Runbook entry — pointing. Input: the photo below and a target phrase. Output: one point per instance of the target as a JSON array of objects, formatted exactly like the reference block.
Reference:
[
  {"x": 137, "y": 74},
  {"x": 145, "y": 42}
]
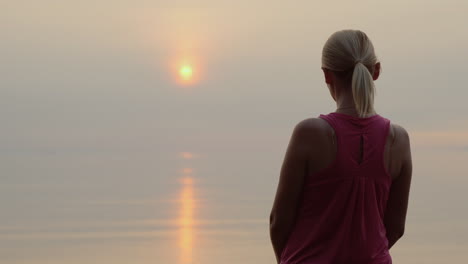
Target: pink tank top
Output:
[{"x": 341, "y": 211}]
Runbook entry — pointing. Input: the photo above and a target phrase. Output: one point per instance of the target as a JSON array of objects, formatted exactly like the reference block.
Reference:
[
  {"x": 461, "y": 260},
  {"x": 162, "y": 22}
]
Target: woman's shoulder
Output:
[
  {"x": 314, "y": 125},
  {"x": 399, "y": 130},
  {"x": 401, "y": 139},
  {"x": 313, "y": 131}
]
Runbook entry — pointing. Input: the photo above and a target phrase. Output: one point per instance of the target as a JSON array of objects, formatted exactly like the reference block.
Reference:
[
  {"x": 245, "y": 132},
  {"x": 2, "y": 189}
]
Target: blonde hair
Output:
[{"x": 349, "y": 51}]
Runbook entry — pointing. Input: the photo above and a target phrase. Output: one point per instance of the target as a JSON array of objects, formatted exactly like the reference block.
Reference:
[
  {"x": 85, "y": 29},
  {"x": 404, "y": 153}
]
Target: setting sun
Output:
[
  {"x": 186, "y": 73},
  {"x": 186, "y": 70}
]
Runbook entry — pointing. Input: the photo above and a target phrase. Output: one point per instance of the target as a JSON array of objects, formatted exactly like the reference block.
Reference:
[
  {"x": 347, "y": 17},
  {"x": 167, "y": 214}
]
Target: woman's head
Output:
[{"x": 349, "y": 55}]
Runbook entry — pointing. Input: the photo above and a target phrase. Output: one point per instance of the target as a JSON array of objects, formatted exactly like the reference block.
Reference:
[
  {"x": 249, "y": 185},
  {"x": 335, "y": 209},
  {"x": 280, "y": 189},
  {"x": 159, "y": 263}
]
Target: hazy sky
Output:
[{"x": 94, "y": 120}]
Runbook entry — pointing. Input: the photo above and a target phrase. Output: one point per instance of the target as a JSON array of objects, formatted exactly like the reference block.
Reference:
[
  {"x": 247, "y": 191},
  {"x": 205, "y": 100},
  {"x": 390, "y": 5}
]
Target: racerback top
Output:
[{"x": 341, "y": 211}]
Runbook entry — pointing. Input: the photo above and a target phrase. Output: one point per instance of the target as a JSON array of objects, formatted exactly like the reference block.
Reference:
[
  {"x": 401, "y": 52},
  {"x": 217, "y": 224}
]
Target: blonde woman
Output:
[{"x": 343, "y": 190}]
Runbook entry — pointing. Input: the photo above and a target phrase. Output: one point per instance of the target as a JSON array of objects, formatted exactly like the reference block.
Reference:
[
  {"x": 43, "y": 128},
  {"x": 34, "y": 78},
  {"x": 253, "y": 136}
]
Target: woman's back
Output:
[
  {"x": 393, "y": 152},
  {"x": 341, "y": 213}
]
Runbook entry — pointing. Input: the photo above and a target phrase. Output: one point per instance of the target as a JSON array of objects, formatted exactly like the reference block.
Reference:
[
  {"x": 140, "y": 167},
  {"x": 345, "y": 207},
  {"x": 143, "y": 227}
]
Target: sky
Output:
[{"x": 107, "y": 155}]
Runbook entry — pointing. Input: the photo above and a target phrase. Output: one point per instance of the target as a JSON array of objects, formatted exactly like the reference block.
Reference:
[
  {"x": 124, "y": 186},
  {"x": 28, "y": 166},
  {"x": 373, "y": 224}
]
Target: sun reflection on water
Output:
[{"x": 186, "y": 220}]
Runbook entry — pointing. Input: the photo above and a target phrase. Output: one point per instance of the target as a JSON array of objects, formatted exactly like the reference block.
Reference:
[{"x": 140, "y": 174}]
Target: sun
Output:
[{"x": 186, "y": 73}]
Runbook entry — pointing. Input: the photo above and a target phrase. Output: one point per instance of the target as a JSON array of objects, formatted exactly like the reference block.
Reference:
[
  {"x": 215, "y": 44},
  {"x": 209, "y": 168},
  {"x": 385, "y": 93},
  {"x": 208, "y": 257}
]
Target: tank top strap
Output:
[
  {"x": 334, "y": 123},
  {"x": 384, "y": 129},
  {"x": 338, "y": 128}
]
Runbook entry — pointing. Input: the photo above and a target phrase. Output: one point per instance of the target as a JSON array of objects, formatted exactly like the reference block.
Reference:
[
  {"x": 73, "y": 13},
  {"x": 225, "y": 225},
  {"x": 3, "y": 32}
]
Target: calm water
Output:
[{"x": 196, "y": 212}]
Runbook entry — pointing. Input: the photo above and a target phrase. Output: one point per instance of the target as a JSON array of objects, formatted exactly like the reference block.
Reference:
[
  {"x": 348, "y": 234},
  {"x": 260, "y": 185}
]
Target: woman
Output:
[{"x": 344, "y": 184}]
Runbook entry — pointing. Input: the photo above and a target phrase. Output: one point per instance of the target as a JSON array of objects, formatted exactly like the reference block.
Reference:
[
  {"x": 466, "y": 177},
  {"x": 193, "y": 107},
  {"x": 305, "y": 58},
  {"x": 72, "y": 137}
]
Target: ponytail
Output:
[
  {"x": 351, "y": 51},
  {"x": 363, "y": 89}
]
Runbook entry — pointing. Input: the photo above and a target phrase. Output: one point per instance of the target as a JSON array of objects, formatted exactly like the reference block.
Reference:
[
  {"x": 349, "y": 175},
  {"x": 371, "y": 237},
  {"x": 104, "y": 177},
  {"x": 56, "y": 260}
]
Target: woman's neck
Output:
[{"x": 351, "y": 110}]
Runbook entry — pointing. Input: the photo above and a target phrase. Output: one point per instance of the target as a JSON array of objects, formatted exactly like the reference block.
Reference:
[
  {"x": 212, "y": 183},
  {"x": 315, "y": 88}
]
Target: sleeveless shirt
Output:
[{"x": 341, "y": 211}]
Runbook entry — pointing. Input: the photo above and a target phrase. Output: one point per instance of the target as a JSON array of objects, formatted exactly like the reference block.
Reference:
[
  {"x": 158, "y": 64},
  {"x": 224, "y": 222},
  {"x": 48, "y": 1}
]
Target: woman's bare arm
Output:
[
  {"x": 286, "y": 201},
  {"x": 397, "y": 204}
]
